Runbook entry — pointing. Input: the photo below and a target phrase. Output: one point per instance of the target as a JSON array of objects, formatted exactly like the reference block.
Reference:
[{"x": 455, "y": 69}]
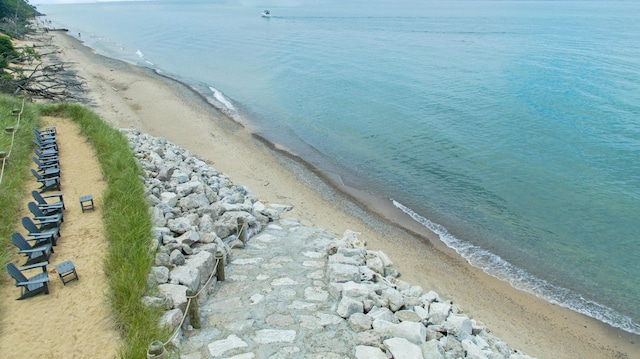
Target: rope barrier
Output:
[
  {"x": 189, "y": 298},
  {"x": 13, "y": 136}
]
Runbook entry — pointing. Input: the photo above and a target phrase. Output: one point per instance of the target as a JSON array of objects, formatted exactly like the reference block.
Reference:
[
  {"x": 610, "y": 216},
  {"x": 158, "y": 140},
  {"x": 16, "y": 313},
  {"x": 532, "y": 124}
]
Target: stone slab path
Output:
[{"x": 275, "y": 302}]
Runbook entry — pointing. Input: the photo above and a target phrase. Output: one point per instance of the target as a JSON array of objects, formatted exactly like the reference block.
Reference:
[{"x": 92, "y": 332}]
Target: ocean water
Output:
[{"x": 510, "y": 128}]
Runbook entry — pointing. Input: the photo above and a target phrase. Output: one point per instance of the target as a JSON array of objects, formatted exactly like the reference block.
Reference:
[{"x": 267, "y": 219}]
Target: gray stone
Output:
[
  {"x": 349, "y": 306},
  {"x": 163, "y": 259},
  {"x": 394, "y": 298},
  {"x": 203, "y": 264},
  {"x": 413, "y": 332},
  {"x": 267, "y": 336},
  {"x": 359, "y": 291},
  {"x": 402, "y": 348},
  {"x": 457, "y": 325},
  {"x": 421, "y": 312},
  {"x": 472, "y": 350},
  {"x": 176, "y": 257},
  {"x": 343, "y": 273},
  {"x": 169, "y": 198},
  {"x": 188, "y": 238},
  {"x": 180, "y": 177},
  {"x": 160, "y": 302},
  {"x": 206, "y": 223},
  {"x": 219, "y": 347},
  {"x": 360, "y": 322},
  {"x": 383, "y": 313},
  {"x": 177, "y": 293},
  {"x": 432, "y": 350},
  {"x": 438, "y": 312},
  {"x": 158, "y": 275},
  {"x": 369, "y": 338},
  {"x": 375, "y": 264},
  {"x": 171, "y": 318},
  {"x": 366, "y": 352},
  {"x": 315, "y": 294},
  {"x": 157, "y": 217},
  {"x": 179, "y": 225},
  {"x": 408, "y": 316}
]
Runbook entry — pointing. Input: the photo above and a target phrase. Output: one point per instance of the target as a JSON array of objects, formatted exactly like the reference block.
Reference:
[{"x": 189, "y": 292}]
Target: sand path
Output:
[{"x": 73, "y": 320}]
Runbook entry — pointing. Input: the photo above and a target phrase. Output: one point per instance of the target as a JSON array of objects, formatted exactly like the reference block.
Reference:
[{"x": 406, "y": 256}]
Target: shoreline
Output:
[{"x": 542, "y": 329}]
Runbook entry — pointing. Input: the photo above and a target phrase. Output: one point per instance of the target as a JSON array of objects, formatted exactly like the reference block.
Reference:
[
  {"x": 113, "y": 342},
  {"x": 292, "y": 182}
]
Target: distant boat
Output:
[{"x": 266, "y": 13}]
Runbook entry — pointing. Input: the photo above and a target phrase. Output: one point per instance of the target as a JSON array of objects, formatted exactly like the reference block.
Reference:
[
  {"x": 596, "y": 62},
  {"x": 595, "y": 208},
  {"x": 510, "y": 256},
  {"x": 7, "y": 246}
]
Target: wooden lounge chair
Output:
[
  {"x": 45, "y": 164},
  {"x": 44, "y": 221},
  {"x": 49, "y": 208},
  {"x": 48, "y": 132},
  {"x": 46, "y": 146},
  {"x": 39, "y": 252},
  {"x": 31, "y": 286},
  {"x": 43, "y": 155},
  {"x": 36, "y": 233},
  {"x": 47, "y": 183},
  {"x": 44, "y": 138}
]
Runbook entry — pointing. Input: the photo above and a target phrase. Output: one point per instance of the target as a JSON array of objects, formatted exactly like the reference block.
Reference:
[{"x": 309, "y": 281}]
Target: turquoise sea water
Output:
[{"x": 511, "y": 128}]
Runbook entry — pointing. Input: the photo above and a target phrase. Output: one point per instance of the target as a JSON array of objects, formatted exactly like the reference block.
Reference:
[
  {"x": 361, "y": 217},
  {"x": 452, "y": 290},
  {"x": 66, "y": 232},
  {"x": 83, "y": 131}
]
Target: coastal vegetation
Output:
[
  {"x": 125, "y": 214},
  {"x": 15, "y": 17}
]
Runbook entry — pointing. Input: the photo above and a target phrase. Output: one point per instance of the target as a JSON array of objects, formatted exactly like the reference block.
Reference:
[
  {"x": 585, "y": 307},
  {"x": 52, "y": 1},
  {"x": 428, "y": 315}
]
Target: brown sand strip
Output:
[{"x": 72, "y": 321}]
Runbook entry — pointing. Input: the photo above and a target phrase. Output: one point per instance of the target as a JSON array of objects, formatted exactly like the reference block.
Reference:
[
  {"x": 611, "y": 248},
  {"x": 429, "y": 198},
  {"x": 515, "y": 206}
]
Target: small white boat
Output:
[{"x": 266, "y": 13}]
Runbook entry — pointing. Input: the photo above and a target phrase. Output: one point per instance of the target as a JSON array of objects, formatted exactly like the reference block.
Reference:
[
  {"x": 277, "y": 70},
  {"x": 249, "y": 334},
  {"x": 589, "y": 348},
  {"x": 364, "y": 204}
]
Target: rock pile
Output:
[
  {"x": 394, "y": 319},
  {"x": 197, "y": 212}
]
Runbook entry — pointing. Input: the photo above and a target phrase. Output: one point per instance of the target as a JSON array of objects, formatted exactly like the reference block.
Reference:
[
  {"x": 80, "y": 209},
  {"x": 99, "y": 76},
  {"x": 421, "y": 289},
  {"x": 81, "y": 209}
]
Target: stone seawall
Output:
[{"x": 291, "y": 291}]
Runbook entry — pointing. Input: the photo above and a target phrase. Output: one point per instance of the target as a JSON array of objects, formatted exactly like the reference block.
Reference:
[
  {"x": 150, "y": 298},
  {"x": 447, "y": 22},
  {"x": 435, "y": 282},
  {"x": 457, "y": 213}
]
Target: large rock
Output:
[
  {"x": 438, "y": 312},
  {"x": 458, "y": 325},
  {"x": 177, "y": 293},
  {"x": 349, "y": 306},
  {"x": 365, "y": 352},
  {"x": 402, "y": 348},
  {"x": 343, "y": 273},
  {"x": 179, "y": 225},
  {"x": 432, "y": 350},
  {"x": 195, "y": 272},
  {"x": 413, "y": 332},
  {"x": 383, "y": 313},
  {"x": 158, "y": 275}
]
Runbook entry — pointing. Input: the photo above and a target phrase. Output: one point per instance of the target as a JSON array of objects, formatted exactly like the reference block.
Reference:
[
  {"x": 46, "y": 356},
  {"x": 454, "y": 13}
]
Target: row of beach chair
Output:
[
  {"x": 46, "y": 159},
  {"x": 43, "y": 228}
]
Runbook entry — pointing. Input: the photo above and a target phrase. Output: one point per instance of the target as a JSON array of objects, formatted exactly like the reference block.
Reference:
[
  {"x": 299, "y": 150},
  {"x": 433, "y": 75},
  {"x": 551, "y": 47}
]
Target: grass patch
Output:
[
  {"x": 16, "y": 168},
  {"x": 126, "y": 217}
]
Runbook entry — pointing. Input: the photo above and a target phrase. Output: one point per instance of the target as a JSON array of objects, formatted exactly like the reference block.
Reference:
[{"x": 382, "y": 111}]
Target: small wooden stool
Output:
[
  {"x": 86, "y": 202},
  {"x": 67, "y": 272}
]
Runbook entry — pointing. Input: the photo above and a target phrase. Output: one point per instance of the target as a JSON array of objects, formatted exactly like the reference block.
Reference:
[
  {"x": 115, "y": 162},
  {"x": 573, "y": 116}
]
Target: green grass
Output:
[
  {"x": 16, "y": 170},
  {"x": 126, "y": 219}
]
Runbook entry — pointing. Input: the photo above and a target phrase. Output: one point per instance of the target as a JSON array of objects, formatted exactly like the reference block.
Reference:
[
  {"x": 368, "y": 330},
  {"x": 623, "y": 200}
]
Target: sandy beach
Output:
[{"x": 131, "y": 97}]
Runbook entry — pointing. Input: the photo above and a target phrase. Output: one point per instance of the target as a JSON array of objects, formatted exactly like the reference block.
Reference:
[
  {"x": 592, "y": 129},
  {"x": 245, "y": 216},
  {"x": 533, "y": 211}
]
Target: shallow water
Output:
[{"x": 509, "y": 128}]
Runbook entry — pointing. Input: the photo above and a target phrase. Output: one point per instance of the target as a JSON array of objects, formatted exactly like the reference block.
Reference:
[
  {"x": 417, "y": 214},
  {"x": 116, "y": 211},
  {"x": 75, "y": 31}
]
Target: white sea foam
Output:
[
  {"x": 520, "y": 279},
  {"x": 223, "y": 100}
]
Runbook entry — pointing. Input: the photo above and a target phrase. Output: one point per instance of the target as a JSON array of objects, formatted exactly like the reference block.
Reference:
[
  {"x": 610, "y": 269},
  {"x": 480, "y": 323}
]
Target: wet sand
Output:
[{"x": 127, "y": 96}]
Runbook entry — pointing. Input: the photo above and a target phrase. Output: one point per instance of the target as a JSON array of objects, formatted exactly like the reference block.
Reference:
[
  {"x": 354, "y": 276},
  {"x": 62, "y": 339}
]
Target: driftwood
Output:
[{"x": 41, "y": 75}]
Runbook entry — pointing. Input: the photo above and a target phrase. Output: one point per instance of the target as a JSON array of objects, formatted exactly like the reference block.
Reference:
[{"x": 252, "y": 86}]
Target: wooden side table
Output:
[
  {"x": 86, "y": 202},
  {"x": 67, "y": 272}
]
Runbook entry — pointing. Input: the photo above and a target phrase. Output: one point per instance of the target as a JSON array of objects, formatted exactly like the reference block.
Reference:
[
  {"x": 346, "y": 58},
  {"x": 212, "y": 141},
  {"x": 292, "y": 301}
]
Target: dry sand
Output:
[
  {"x": 73, "y": 320},
  {"x": 127, "y": 96}
]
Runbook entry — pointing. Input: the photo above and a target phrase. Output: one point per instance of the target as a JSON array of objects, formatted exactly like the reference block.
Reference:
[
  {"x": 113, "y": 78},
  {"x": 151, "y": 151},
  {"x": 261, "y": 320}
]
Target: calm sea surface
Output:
[{"x": 511, "y": 128}]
